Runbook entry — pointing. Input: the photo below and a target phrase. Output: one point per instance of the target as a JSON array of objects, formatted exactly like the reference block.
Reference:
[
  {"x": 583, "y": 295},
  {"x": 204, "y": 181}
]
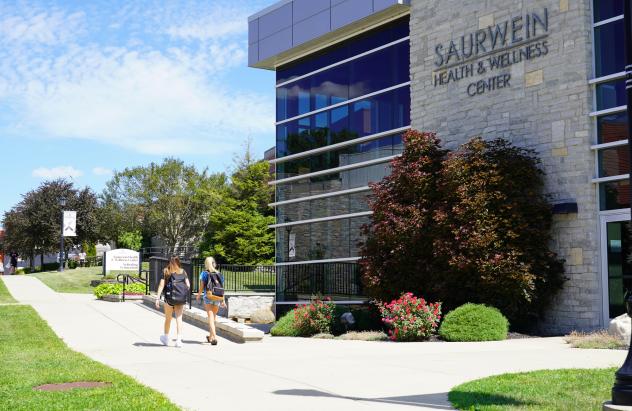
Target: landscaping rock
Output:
[
  {"x": 621, "y": 327},
  {"x": 241, "y": 306},
  {"x": 263, "y": 316}
]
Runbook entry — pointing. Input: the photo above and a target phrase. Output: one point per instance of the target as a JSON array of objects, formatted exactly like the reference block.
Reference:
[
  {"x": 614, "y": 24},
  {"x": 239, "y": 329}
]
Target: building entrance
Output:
[{"x": 616, "y": 266}]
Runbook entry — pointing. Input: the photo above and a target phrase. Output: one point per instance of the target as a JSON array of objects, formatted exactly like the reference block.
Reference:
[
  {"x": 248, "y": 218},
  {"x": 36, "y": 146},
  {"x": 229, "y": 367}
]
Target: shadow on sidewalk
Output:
[{"x": 438, "y": 400}]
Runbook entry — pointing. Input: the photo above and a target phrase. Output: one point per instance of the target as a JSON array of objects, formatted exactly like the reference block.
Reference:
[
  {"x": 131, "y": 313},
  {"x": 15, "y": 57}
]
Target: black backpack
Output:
[
  {"x": 176, "y": 290},
  {"x": 215, "y": 285}
]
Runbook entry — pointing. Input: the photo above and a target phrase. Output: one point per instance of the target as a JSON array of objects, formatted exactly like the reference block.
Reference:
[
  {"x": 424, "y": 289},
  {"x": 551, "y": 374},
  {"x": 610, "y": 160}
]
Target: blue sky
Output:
[{"x": 89, "y": 87}]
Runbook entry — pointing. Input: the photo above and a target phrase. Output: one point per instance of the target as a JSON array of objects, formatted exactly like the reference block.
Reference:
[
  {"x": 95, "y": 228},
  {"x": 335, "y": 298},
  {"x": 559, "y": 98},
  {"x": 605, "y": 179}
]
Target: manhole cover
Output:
[{"x": 67, "y": 386}]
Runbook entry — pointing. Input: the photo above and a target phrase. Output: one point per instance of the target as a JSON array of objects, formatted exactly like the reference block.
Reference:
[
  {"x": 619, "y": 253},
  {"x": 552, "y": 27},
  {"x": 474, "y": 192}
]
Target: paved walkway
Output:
[{"x": 286, "y": 373}]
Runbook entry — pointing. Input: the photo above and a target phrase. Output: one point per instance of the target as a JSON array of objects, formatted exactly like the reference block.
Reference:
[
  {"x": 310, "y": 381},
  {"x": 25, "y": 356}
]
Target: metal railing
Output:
[{"x": 127, "y": 279}]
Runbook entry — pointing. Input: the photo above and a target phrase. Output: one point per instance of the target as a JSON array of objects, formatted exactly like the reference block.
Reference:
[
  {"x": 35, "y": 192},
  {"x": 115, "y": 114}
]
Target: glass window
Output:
[
  {"x": 613, "y": 127},
  {"x": 605, "y": 9},
  {"x": 367, "y": 41},
  {"x": 614, "y": 195},
  {"x": 619, "y": 267},
  {"x": 324, "y": 207},
  {"x": 324, "y": 240},
  {"x": 375, "y": 72},
  {"x": 611, "y": 94},
  {"x": 609, "y": 48},
  {"x": 614, "y": 161},
  {"x": 329, "y": 183},
  {"x": 376, "y": 114},
  {"x": 384, "y": 147}
]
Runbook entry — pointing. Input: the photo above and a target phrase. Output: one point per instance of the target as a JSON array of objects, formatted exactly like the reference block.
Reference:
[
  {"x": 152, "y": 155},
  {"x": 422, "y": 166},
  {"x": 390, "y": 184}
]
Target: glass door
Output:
[{"x": 616, "y": 265}]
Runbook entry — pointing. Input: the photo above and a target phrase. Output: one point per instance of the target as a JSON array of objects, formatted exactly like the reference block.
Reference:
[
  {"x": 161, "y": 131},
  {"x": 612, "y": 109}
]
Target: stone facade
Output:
[{"x": 544, "y": 106}]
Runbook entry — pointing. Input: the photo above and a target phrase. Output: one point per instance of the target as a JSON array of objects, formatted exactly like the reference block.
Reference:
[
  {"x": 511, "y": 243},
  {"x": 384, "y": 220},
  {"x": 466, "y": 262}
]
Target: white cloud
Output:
[
  {"x": 102, "y": 171},
  {"x": 56, "y": 172},
  {"x": 40, "y": 26},
  {"x": 135, "y": 94}
]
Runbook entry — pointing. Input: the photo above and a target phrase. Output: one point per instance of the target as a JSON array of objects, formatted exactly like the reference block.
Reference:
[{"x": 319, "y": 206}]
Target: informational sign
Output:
[
  {"x": 292, "y": 246},
  {"x": 121, "y": 260},
  {"x": 70, "y": 223}
]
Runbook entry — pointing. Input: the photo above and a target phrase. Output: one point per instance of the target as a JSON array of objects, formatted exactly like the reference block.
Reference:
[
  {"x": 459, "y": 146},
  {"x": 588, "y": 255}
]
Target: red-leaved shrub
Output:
[{"x": 410, "y": 318}]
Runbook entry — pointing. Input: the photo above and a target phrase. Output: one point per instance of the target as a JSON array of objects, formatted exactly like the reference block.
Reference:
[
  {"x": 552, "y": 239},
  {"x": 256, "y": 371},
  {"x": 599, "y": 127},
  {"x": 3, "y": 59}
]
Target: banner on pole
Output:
[
  {"x": 292, "y": 246},
  {"x": 70, "y": 223}
]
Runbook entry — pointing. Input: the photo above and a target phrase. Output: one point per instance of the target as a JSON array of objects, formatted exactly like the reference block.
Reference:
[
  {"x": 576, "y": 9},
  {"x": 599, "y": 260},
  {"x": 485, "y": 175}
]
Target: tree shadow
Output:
[{"x": 438, "y": 401}]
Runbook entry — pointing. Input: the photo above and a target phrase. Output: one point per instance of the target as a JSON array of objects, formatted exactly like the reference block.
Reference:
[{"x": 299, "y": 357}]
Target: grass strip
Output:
[
  {"x": 5, "y": 296},
  {"x": 31, "y": 355},
  {"x": 573, "y": 389}
]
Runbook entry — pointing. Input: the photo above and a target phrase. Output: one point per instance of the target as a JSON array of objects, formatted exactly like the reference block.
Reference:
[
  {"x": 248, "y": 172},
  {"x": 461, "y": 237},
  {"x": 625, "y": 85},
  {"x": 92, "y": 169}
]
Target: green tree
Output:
[
  {"x": 469, "y": 226},
  {"x": 131, "y": 240},
  {"x": 238, "y": 231},
  {"x": 170, "y": 200},
  {"x": 33, "y": 226}
]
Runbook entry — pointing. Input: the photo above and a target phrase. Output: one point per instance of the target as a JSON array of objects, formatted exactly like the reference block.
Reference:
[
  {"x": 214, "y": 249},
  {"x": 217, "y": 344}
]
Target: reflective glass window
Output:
[
  {"x": 614, "y": 195},
  {"x": 370, "y": 150},
  {"x": 329, "y": 183},
  {"x": 614, "y": 161},
  {"x": 323, "y": 207},
  {"x": 613, "y": 127},
  {"x": 376, "y": 114},
  {"x": 611, "y": 94},
  {"x": 605, "y": 9},
  {"x": 609, "y": 56},
  {"x": 365, "y": 42},
  {"x": 320, "y": 241},
  {"x": 375, "y": 72}
]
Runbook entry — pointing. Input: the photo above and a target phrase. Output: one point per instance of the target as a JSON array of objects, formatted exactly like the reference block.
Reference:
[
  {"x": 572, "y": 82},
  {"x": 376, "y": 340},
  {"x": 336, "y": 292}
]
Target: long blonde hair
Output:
[
  {"x": 210, "y": 265},
  {"x": 173, "y": 266}
]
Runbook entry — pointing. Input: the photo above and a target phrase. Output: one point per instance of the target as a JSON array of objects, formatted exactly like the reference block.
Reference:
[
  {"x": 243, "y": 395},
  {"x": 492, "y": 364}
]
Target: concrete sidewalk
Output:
[{"x": 286, "y": 373}]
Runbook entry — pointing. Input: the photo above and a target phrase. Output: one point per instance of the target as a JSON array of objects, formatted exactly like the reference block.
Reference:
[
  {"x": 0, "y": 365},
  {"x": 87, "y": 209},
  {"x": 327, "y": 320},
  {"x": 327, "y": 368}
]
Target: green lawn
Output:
[
  {"x": 5, "y": 296},
  {"x": 248, "y": 281},
  {"x": 539, "y": 390},
  {"x": 71, "y": 281},
  {"x": 32, "y": 355}
]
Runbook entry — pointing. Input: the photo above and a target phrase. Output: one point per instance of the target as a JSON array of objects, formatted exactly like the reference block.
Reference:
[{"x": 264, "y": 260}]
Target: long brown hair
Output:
[{"x": 173, "y": 266}]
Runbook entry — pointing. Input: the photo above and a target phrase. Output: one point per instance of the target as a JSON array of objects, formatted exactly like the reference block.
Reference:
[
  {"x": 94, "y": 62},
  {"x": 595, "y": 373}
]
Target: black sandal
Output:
[
  {"x": 214, "y": 342},
  {"x": 208, "y": 338}
]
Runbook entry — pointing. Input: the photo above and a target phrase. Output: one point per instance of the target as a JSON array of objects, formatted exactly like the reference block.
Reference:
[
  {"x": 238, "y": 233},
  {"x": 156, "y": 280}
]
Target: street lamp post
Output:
[{"x": 62, "y": 203}]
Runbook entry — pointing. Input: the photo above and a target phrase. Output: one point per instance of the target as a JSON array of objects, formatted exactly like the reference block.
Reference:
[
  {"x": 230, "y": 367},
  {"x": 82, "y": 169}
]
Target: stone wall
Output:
[{"x": 540, "y": 103}]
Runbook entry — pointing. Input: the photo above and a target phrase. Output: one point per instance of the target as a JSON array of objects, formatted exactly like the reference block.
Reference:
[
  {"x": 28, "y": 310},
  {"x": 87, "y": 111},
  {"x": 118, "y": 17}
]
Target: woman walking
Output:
[
  {"x": 175, "y": 283},
  {"x": 212, "y": 285}
]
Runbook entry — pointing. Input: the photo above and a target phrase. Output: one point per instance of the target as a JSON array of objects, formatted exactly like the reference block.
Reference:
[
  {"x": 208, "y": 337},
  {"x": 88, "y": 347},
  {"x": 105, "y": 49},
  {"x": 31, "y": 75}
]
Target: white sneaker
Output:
[
  {"x": 179, "y": 343},
  {"x": 164, "y": 339}
]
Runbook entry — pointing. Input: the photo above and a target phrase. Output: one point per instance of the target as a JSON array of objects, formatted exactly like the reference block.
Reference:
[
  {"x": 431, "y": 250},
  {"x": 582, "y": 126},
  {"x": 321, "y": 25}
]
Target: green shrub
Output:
[
  {"x": 72, "y": 264},
  {"x": 117, "y": 289},
  {"x": 410, "y": 318},
  {"x": 285, "y": 326},
  {"x": 474, "y": 322}
]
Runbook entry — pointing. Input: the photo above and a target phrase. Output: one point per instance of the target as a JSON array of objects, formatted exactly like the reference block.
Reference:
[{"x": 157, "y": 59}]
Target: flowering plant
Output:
[
  {"x": 315, "y": 318},
  {"x": 410, "y": 318}
]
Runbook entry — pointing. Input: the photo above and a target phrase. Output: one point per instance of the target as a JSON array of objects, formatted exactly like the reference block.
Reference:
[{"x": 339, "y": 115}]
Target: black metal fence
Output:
[
  {"x": 340, "y": 281},
  {"x": 300, "y": 282}
]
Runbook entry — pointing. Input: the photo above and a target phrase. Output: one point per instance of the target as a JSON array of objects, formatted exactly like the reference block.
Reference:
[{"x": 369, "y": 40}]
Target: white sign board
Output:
[
  {"x": 292, "y": 246},
  {"x": 121, "y": 260},
  {"x": 70, "y": 223}
]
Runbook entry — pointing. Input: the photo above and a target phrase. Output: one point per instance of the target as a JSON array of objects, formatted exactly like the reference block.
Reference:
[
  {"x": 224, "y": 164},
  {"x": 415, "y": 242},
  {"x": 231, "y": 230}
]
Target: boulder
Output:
[
  {"x": 242, "y": 306},
  {"x": 262, "y": 316},
  {"x": 621, "y": 328}
]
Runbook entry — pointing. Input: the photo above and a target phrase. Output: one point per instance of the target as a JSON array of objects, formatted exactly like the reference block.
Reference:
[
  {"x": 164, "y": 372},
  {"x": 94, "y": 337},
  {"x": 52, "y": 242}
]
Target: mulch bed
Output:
[{"x": 67, "y": 386}]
